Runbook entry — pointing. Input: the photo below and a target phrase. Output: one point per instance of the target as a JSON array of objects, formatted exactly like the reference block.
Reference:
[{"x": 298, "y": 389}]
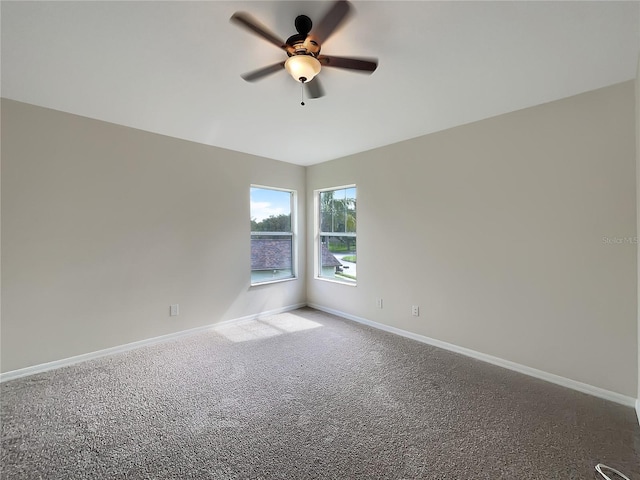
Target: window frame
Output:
[
  {"x": 319, "y": 234},
  {"x": 293, "y": 199}
]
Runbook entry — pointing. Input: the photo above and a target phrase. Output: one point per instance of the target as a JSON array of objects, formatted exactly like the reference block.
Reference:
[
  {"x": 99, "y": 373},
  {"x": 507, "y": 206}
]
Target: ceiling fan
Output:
[{"x": 304, "y": 60}]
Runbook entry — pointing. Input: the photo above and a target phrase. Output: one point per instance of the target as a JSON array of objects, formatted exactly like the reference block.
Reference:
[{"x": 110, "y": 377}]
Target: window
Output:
[
  {"x": 272, "y": 234},
  {"x": 337, "y": 234}
]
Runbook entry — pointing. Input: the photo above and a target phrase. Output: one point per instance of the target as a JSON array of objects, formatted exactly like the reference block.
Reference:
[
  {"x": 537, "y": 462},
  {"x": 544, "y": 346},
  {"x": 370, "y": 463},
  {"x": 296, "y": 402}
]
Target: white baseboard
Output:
[
  {"x": 533, "y": 372},
  {"x": 44, "y": 367}
]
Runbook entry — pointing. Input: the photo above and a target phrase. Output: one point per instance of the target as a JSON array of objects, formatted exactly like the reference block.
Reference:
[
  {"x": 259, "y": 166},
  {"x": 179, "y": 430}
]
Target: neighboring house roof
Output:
[
  {"x": 328, "y": 260},
  {"x": 270, "y": 253},
  {"x": 275, "y": 254}
]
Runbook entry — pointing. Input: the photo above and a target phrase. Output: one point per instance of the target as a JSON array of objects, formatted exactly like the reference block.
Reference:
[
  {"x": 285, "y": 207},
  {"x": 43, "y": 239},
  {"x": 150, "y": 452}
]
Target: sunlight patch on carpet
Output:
[{"x": 265, "y": 327}]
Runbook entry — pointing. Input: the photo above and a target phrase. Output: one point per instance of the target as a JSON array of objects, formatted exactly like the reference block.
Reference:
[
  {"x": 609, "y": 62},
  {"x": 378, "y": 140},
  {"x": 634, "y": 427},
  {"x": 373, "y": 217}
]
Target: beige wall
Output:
[
  {"x": 498, "y": 231},
  {"x": 103, "y": 227}
]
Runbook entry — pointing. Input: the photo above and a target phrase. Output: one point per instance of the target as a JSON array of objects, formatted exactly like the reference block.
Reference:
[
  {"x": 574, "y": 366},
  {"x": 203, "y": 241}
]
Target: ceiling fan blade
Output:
[
  {"x": 337, "y": 14},
  {"x": 263, "y": 72},
  {"x": 360, "y": 64},
  {"x": 314, "y": 88},
  {"x": 247, "y": 21}
]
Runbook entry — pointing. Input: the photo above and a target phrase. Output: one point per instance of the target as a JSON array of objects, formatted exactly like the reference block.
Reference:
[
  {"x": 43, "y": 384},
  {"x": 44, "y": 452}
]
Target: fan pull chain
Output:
[{"x": 302, "y": 93}]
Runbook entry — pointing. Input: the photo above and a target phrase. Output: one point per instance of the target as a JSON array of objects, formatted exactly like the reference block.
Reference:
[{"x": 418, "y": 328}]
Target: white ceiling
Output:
[{"x": 174, "y": 67}]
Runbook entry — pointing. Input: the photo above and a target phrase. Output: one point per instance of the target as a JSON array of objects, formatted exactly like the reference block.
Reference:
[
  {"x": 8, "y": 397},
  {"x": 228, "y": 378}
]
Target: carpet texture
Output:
[{"x": 305, "y": 395}]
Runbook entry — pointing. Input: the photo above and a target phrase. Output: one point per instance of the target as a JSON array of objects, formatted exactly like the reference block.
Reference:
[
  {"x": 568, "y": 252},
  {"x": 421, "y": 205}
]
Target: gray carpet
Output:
[{"x": 305, "y": 395}]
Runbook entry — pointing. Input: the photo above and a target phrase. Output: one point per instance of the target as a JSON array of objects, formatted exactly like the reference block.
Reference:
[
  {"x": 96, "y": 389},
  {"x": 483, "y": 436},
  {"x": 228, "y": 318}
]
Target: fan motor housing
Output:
[{"x": 303, "y": 45}]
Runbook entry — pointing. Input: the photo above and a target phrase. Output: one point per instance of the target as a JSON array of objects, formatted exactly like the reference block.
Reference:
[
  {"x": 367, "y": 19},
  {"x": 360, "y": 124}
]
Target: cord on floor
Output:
[{"x": 602, "y": 466}]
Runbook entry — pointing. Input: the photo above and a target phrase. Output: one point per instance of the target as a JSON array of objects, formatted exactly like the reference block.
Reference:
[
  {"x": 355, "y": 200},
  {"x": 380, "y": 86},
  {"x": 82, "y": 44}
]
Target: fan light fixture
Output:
[{"x": 302, "y": 67}]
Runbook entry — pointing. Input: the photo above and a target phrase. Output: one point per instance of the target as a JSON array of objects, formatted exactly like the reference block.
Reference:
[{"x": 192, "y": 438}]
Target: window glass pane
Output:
[
  {"x": 338, "y": 211},
  {"x": 326, "y": 211},
  {"x": 350, "y": 200},
  {"x": 270, "y": 210},
  {"x": 272, "y": 237},
  {"x": 338, "y": 257},
  {"x": 337, "y": 223},
  {"x": 271, "y": 257}
]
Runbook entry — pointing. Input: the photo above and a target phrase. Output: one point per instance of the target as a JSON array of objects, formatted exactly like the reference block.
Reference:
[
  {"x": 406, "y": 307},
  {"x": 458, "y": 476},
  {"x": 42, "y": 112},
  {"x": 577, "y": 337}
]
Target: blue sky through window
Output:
[{"x": 265, "y": 202}]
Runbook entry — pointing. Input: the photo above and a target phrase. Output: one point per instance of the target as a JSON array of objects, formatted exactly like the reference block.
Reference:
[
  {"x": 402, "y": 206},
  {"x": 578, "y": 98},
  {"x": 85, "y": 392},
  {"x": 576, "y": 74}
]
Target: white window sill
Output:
[
  {"x": 341, "y": 282},
  {"x": 269, "y": 282}
]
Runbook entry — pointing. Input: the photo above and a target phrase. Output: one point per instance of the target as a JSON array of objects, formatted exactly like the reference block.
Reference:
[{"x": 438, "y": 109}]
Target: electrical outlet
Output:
[
  {"x": 379, "y": 303},
  {"x": 174, "y": 310},
  {"x": 415, "y": 310}
]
